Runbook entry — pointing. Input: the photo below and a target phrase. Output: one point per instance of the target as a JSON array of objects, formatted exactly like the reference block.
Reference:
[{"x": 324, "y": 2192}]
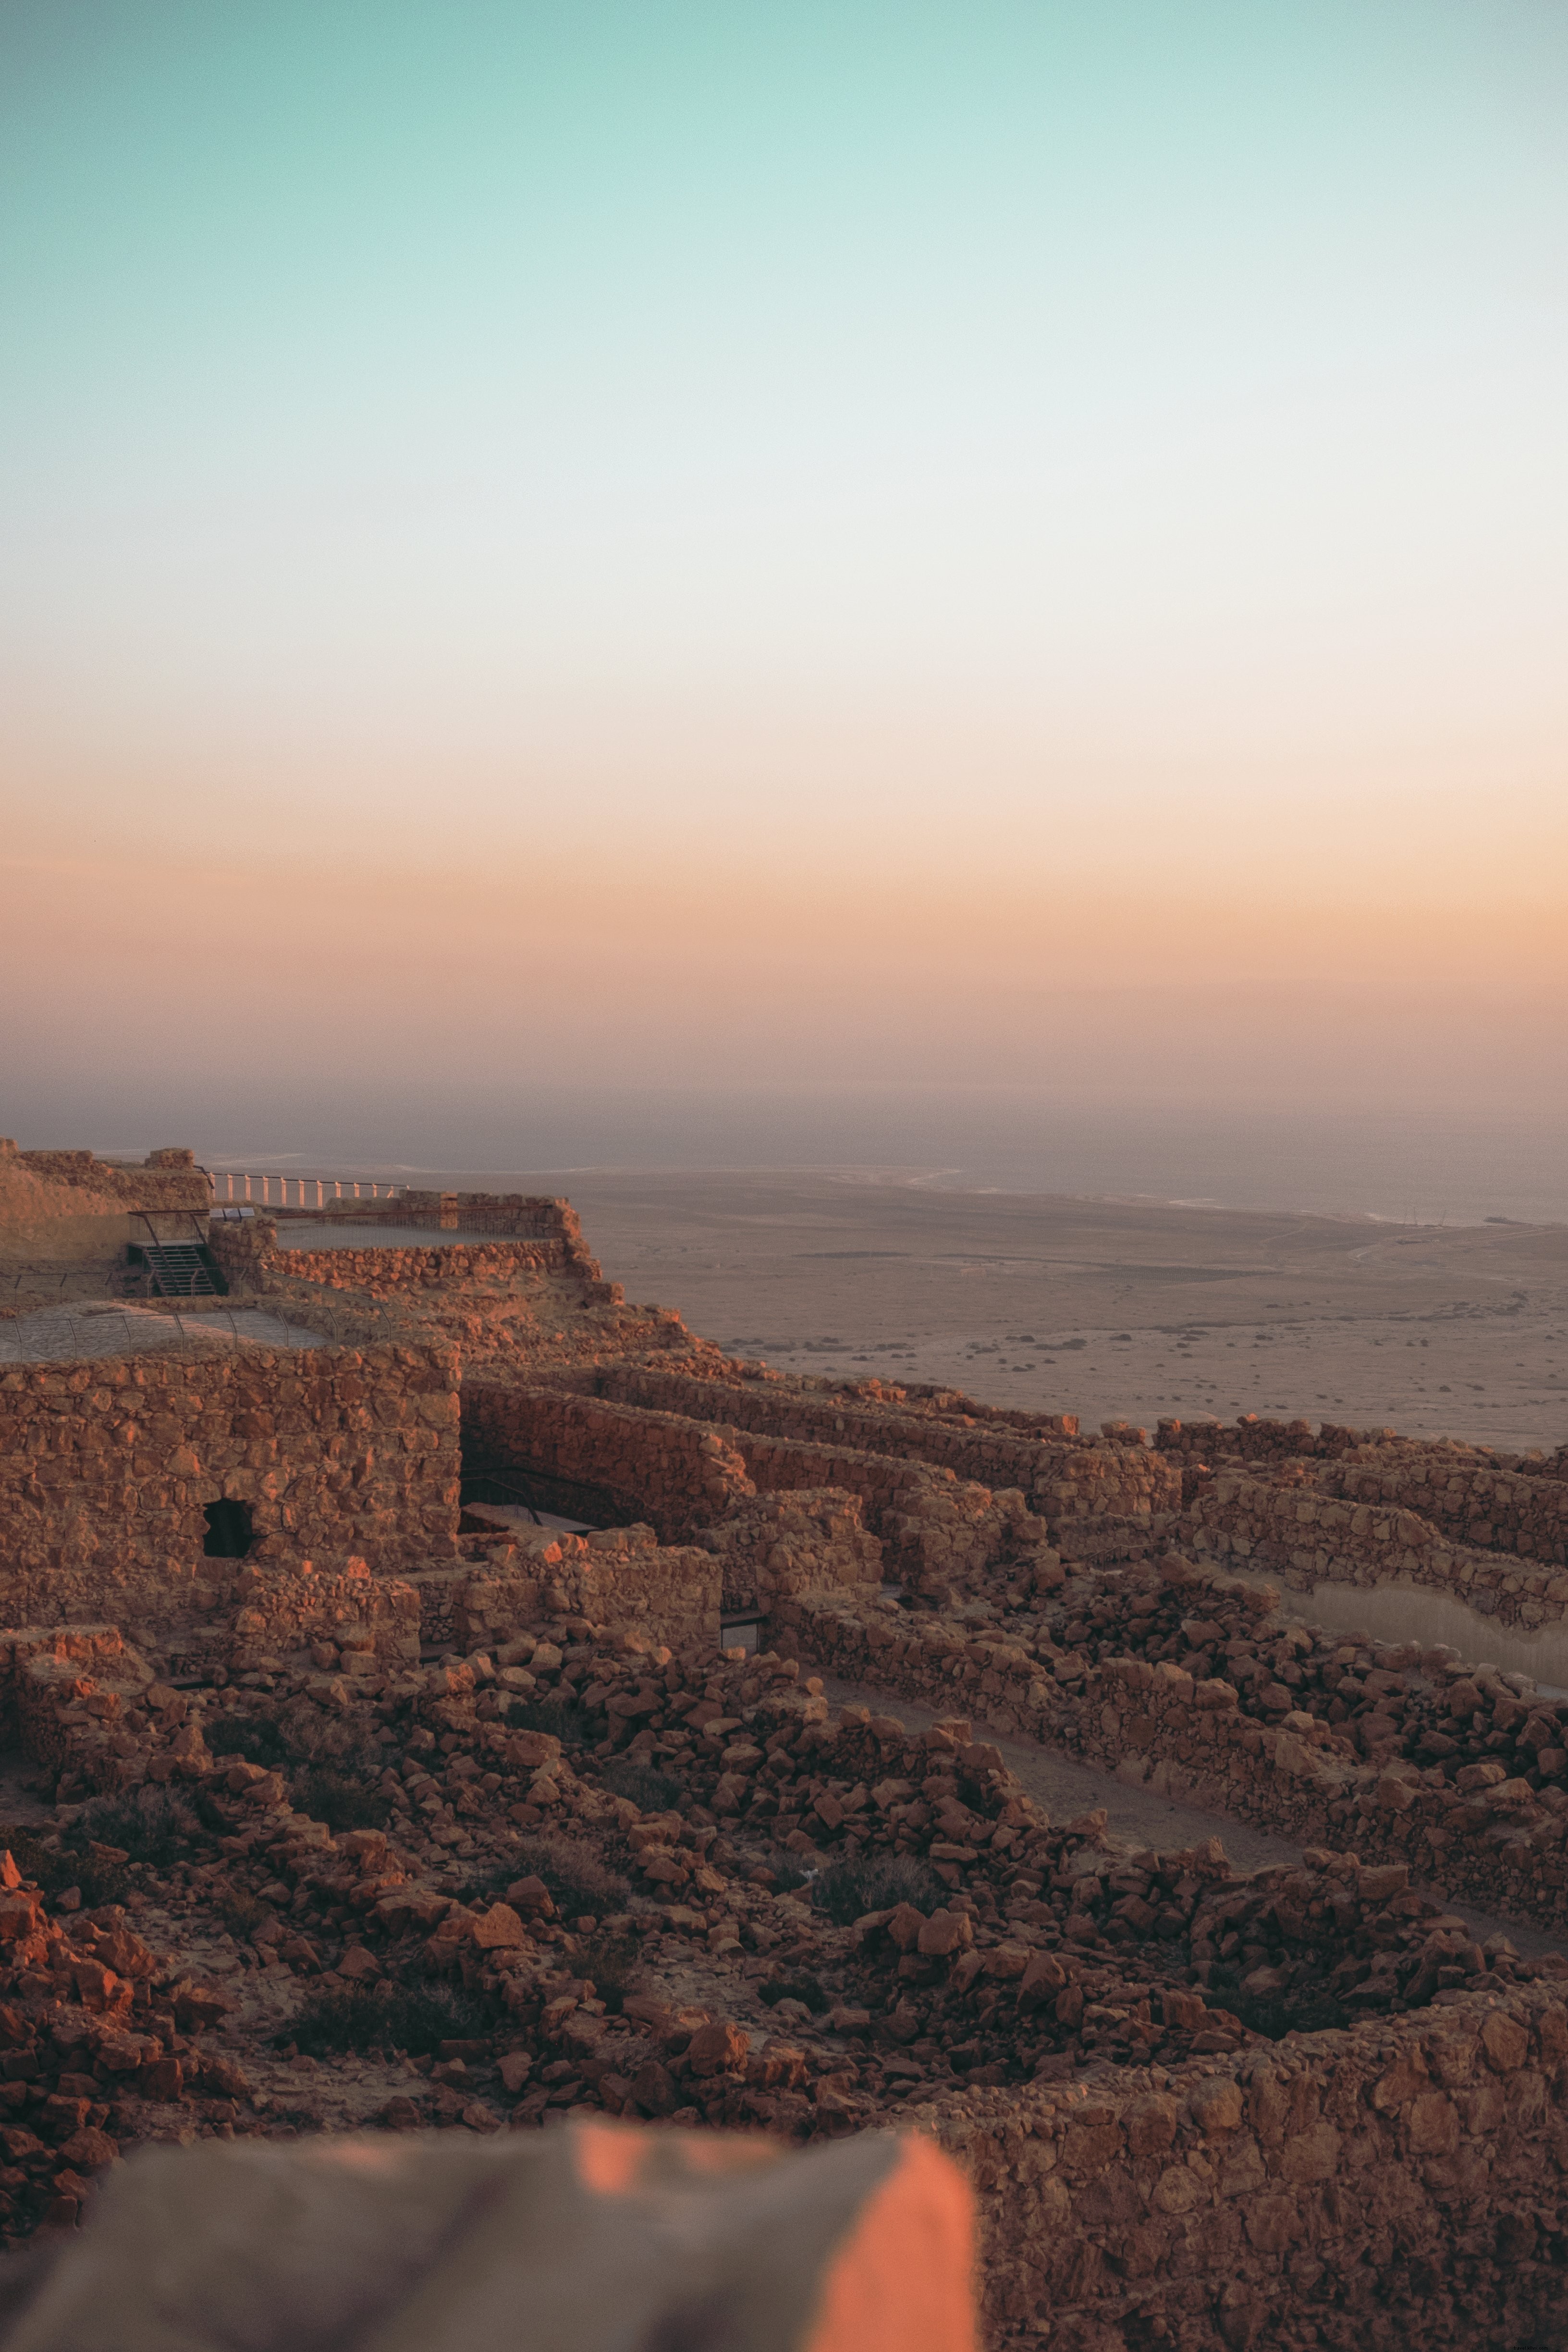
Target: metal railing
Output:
[{"x": 308, "y": 1191}]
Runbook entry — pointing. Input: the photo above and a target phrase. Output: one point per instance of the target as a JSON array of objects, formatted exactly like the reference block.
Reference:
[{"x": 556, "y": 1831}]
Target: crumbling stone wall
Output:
[
  {"x": 106, "y": 1467},
  {"x": 1490, "y": 1836},
  {"x": 1062, "y": 1475},
  {"x": 621, "y": 1578},
  {"x": 1308, "y": 1537},
  {"x": 166, "y": 1179},
  {"x": 1471, "y": 1494},
  {"x": 812, "y": 1540}
]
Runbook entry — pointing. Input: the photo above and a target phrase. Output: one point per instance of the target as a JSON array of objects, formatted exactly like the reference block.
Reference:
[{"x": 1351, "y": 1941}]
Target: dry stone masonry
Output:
[{"x": 419, "y": 1810}]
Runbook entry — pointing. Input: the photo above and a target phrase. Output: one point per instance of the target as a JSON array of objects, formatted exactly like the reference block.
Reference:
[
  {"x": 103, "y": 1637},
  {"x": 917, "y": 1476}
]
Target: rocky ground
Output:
[{"x": 582, "y": 1872}]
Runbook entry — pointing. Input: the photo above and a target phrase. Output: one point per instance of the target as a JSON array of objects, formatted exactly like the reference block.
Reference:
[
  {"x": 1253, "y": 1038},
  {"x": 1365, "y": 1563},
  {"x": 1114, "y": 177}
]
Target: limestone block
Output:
[{"x": 601, "y": 2234}]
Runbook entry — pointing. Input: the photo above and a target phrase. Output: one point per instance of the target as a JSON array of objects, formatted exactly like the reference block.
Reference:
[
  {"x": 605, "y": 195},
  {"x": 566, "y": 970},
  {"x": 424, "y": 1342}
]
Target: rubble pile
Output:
[
  {"x": 101, "y": 2045},
  {"x": 582, "y": 1871}
]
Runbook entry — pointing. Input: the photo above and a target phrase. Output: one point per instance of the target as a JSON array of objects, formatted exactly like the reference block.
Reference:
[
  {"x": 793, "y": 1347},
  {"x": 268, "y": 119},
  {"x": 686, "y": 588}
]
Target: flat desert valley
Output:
[{"x": 1116, "y": 1310}]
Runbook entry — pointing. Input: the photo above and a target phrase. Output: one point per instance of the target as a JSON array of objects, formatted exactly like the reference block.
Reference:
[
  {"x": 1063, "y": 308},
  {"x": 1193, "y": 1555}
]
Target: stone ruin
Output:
[{"x": 445, "y": 1694}]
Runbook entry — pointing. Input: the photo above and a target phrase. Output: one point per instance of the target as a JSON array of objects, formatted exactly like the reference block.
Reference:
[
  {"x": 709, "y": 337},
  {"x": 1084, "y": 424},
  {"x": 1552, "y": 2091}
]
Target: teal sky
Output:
[{"x": 968, "y": 465}]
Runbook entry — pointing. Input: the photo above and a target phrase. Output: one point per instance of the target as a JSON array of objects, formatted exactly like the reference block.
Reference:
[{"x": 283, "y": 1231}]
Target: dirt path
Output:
[{"x": 1137, "y": 1819}]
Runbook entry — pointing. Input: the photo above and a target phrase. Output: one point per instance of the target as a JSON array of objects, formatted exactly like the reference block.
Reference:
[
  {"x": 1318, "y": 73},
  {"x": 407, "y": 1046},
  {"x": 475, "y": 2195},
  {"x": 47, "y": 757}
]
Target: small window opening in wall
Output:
[{"x": 229, "y": 1535}]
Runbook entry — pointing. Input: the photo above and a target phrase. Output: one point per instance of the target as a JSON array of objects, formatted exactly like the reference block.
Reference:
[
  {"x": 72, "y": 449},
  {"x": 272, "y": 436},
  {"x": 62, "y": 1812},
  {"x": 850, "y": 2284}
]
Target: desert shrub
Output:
[
  {"x": 612, "y": 1964},
  {"x": 98, "y": 1882},
  {"x": 801, "y": 1989},
  {"x": 874, "y": 1882},
  {"x": 577, "y": 1883},
  {"x": 254, "y": 1738},
  {"x": 150, "y": 1824},
  {"x": 558, "y": 1718},
  {"x": 415, "y": 2018},
  {"x": 339, "y": 1799},
  {"x": 653, "y": 1791},
  {"x": 241, "y": 1914}
]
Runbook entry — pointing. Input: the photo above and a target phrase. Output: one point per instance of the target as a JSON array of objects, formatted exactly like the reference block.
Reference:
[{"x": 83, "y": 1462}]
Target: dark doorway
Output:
[{"x": 229, "y": 1535}]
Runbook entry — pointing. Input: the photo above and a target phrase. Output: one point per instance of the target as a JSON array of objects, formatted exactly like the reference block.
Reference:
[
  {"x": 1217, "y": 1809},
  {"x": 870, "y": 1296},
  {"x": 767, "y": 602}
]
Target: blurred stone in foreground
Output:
[{"x": 600, "y": 2236}]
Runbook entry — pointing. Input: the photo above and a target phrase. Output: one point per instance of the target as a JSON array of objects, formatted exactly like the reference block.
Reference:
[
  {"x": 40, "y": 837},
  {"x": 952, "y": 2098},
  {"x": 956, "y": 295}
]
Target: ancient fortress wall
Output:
[
  {"x": 1306, "y": 1537},
  {"x": 672, "y": 1473},
  {"x": 248, "y": 1254},
  {"x": 682, "y": 1475},
  {"x": 1062, "y": 1477},
  {"x": 166, "y": 1180},
  {"x": 106, "y": 1467},
  {"x": 1470, "y": 1500},
  {"x": 1399, "y": 2183}
]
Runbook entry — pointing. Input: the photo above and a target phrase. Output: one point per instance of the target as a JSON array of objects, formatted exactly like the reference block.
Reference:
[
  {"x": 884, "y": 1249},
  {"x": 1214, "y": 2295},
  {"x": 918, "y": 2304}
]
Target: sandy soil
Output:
[{"x": 1114, "y": 1310}]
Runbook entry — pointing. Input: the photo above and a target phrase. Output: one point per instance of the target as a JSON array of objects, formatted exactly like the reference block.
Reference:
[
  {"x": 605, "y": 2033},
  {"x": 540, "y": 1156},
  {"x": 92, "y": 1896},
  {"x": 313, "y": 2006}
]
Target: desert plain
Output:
[{"x": 1113, "y": 1310}]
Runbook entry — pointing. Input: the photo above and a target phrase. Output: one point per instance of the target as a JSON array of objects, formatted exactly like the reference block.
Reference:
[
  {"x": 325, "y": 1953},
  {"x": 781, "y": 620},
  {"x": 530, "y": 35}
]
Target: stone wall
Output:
[
  {"x": 1495, "y": 1839},
  {"x": 658, "y": 1468},
  {"x": 106, "y": 1467},
  {"x": 621, "y": 1579},
  {"x": 813, "y": 1540},
  {"x": 1399, "y": 2183},
  {"x": 1062, "y": 1475},
  {"x": 622, "y": 1461},
  {"x": 1469, "y": 1494},
  {"x": 166, "y": 1179},
  {"x": 1308, "y": 1537},
  {"x": 453, "y": 1266},
  {"x": 246, "y": 1249},
  {"x": 1473, "y": 1501}
]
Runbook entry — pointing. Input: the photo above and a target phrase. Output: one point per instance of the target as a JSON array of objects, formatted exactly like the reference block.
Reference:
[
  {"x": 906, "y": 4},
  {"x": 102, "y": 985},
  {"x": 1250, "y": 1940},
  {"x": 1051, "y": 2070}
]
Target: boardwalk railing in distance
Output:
[{"x": 307, "y": 1191}]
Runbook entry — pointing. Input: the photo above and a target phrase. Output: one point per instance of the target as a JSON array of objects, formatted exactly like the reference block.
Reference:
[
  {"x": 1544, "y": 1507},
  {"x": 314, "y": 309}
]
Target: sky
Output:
[{"x": 709, "y": 546}]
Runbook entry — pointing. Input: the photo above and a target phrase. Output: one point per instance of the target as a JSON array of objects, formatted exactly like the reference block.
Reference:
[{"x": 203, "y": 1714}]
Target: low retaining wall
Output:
[
  {"x": 1063, "y": 1475},
  {"x": 246, "y": 1249},
  {"x": 1306, "y": 1537},
  {"x": 452, "y": 1266},
  {"x": 1494, "y": 1843},
  {"x": 621, "y": 1578}
]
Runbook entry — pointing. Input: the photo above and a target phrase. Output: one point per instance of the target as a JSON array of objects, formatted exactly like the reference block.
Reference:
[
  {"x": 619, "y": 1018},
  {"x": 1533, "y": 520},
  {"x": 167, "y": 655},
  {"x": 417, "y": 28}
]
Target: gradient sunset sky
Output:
[{"x": 709, "y": 544}]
